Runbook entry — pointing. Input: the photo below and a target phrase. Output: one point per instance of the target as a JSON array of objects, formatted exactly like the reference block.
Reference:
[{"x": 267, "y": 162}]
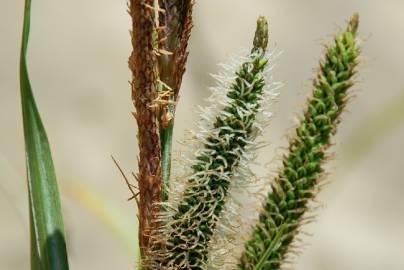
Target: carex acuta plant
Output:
[
  {"x": 302, "y": 171},
  {"x": 180, "y": 220},
  {"x": 160, "y": 32},
  {"x": 223, "y": 146}
]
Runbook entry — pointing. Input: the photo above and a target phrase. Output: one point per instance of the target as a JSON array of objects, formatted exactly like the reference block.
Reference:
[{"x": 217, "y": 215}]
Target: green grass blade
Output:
[{"x": 48, "y": 247}]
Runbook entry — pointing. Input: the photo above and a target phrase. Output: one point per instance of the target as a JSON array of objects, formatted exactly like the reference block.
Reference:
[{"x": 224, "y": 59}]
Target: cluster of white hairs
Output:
[
  {"x": 247, "y": 190},
  {"x": 216, "y": 101},
  {"x": 244, "y": 187}
]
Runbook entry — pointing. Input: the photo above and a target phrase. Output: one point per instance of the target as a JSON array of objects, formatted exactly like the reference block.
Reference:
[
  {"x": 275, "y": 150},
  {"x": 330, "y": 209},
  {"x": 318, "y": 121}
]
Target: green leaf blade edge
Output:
[{"x": 48, "y": 245}]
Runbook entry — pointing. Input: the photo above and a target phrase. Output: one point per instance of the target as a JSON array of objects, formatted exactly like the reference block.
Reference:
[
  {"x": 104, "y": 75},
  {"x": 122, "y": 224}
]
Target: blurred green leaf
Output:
[
  {"x": 122, "y": 226},
  {"x": 48, "y": 247}
]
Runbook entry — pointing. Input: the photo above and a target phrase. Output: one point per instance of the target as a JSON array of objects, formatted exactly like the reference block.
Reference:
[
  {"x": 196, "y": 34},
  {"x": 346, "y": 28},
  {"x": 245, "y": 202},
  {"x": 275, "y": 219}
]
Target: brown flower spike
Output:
[
  {"x": 143, "y": 64},
  {"x": 160, "y": 33}
]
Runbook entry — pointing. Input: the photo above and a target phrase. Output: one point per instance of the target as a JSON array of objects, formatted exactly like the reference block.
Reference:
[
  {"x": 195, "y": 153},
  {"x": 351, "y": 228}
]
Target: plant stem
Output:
[{"x": 166, "y": 136}]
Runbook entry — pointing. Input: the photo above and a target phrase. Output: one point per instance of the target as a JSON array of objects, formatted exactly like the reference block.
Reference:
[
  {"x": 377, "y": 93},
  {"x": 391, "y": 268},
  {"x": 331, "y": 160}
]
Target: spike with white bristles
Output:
[{"x": 226, "y": 137}]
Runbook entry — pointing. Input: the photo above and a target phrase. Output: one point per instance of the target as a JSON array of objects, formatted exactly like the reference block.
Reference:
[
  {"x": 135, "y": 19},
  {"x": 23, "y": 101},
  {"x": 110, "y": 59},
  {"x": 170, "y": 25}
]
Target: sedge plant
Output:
[{"x": 180, "y": 219}]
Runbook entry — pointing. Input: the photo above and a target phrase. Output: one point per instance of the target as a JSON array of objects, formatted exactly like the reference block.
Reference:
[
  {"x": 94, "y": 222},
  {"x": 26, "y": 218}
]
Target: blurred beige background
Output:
[{"x": 77, "y": 60}]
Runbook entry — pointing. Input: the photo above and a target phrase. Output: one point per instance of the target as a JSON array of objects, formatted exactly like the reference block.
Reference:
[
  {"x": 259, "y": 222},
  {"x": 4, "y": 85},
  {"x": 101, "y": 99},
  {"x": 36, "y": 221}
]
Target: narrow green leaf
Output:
[{"x": 48, "y": 247}]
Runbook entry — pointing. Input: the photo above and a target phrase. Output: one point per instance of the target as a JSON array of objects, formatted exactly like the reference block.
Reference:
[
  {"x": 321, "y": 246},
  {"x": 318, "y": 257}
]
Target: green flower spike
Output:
[
  {"x": 299, "y": 178},
  {"x": 232, "y": 130}
]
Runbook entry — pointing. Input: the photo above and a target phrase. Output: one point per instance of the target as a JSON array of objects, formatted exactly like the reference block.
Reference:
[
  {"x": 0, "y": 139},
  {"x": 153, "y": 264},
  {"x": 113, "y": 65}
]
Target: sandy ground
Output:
[{"x": 77, "y": 61}]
